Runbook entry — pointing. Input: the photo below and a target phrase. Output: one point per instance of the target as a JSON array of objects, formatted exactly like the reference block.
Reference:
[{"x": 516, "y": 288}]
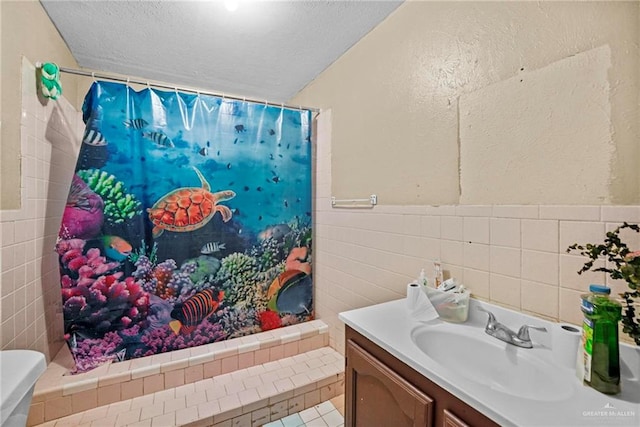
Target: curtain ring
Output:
[
  {"x": 93, "y": 75},
  {"x": 148, "y": 85}
]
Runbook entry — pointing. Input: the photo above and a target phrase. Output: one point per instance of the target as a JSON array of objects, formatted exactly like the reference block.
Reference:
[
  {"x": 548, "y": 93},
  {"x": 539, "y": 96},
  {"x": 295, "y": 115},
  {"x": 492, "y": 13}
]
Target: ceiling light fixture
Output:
[{"x": 231, "y": 5}]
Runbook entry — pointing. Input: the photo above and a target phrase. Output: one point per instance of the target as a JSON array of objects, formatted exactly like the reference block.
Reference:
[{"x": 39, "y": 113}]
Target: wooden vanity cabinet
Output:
[
  {"x": 380, "y": 396},
  {"x": 381, "y": 391}
]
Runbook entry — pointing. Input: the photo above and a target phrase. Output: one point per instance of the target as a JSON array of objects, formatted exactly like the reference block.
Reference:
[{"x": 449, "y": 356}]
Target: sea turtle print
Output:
[{"x": 189, "y": 208}]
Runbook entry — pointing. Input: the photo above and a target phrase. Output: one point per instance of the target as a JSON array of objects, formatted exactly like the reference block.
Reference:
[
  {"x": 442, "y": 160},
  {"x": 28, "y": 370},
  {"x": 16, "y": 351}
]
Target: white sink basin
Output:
[{"x": 485, "y": 360}]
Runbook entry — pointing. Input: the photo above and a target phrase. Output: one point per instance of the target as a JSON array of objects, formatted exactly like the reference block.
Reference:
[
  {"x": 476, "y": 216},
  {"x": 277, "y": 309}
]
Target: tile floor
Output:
[{"x": 326, "y": 414}]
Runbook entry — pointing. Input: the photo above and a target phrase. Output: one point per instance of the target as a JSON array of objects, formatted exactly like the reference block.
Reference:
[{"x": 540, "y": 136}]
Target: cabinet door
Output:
[
  {"x": 378, "y": 396},
  {"x": 451, "y": 420}
]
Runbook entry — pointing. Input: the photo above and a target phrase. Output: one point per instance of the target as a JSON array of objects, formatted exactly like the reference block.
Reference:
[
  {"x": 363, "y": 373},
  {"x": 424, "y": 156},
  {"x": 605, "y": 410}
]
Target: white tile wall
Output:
[
  {"x": 476, "y": 230},
  {"x": 430, "y": 225},
  {"x": 476, "y": 256},
  {"x": 31, "y": 314},
  {"x": 451, "y": 228},
  {"x": 504, "y": 290},
  {"x": 619, "y": 213},
  {"x": 513, "y": 255},
  {"x": 539, "y": 298},
  {"x": 540, "y": 235},
  {"x": 480, "y": 280},
  {"x": 569, "y": 264},
  {"x": 572, "y": 230},
  {"x": 540, "y": 266},
  {"x": 451, "y": 252},
  {"x": 505, "y": 232},
  {"x": 505, "y": 261}
]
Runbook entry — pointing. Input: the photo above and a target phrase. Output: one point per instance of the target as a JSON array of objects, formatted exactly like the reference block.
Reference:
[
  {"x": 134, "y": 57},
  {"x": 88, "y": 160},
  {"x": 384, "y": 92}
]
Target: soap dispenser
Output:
[{"x": 422, "y": 278}]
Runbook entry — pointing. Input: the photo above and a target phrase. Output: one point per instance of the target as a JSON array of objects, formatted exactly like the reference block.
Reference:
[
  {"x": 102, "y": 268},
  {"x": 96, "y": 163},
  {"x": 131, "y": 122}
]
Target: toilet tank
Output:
[{"x": 19, "y": 371}]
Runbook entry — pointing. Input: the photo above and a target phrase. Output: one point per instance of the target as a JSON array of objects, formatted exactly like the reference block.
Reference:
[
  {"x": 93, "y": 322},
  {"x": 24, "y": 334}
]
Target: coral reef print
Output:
[{"x": 188, "y": 221}]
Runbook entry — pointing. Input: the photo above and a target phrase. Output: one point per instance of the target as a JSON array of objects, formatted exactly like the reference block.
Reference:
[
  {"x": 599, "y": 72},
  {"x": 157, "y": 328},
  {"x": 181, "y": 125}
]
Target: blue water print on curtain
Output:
[{"x": 188, "y": 221}]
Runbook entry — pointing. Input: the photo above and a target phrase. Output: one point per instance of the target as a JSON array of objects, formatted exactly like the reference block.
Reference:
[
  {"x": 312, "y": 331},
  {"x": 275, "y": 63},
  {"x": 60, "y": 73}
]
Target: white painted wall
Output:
[
  {"x": 394, "y": 97},
  {"x": 26, "y": 31},
  {"x": 541, "y": 135}
]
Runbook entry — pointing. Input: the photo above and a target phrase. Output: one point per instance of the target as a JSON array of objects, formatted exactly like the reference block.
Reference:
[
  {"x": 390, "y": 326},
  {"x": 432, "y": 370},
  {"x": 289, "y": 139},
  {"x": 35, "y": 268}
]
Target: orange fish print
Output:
[{"x": 194, "y": 310}]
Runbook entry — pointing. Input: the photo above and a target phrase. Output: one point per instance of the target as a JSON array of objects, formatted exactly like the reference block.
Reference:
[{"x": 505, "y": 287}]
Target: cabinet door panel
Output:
[
  {"x": 450, "y": 420},
  {"x": 377, "y": 396}
]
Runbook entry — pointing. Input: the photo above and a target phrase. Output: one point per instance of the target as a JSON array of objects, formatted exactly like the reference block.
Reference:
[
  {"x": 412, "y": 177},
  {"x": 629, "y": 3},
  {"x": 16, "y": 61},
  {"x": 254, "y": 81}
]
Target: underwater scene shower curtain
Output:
[{"x": 188, "y": 221}]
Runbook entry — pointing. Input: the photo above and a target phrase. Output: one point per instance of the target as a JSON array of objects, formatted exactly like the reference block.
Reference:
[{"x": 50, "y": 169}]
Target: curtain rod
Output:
[{"x": 162, "y": 86}]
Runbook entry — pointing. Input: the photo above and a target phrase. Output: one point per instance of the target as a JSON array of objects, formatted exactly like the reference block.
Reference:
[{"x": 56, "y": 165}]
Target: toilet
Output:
[{"x": 19, "y": 371}]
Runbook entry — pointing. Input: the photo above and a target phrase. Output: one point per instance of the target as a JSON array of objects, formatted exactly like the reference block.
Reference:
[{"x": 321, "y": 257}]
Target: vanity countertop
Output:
[{"x": 390, "y": 326}]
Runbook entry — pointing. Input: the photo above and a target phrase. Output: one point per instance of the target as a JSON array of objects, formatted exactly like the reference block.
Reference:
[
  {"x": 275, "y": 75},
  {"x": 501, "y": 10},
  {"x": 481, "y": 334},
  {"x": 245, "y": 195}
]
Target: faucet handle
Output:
[
  {"x": 491, "y": 322},
  {"x": 523, "y": 332},
  {"x": 479, "y": 308}
]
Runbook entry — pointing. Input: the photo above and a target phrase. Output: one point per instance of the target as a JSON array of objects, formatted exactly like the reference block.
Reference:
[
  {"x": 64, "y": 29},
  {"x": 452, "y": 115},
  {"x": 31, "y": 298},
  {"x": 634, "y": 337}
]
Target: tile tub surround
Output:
[
  {"x": 58, "y": 394},
  {"x": 31, "y": 313}
]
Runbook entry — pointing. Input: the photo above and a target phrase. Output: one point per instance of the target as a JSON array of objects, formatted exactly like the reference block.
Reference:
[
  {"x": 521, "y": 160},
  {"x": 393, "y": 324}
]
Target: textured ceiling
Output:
[{"x": 264, "y": 50}]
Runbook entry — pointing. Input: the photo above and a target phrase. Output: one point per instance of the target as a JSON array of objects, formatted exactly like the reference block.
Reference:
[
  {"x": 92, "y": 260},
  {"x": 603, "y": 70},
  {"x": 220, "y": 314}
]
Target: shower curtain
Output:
[{"x": 188, "y": 221}]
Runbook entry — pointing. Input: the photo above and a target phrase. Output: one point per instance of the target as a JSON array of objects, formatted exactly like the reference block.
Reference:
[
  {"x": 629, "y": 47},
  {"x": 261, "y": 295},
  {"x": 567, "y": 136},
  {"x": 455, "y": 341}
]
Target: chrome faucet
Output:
[{"x": 503, "y": 333}]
